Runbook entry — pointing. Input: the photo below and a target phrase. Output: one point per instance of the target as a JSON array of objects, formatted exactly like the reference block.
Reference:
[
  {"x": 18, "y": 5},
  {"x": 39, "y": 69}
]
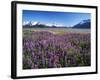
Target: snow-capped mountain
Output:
[
  {"x": 84, "y": 21},
  {"x": 83, "y": 24},
  {"x": 30, "y": 23},
  {"x": 25, "y": 23},
  {"x": 34, "y": 23},
  {"x": 38, "y": 24}
]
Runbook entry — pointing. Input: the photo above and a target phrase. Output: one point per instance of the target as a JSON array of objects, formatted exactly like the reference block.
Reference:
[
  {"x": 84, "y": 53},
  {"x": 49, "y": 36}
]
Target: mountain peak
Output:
[
  {"x": 84, "y": 21},
  {"x": 83, "y": 24}
]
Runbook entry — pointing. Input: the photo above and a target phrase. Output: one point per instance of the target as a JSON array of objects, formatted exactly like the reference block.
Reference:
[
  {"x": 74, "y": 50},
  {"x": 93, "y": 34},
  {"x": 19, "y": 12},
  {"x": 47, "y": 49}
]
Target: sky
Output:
[{"x": 60, "y": 18}]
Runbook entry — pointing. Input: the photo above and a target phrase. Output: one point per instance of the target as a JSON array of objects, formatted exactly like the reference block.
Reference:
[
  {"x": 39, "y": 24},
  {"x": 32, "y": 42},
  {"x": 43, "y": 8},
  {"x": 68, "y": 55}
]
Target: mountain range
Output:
[{"x": 82, "y": 24}]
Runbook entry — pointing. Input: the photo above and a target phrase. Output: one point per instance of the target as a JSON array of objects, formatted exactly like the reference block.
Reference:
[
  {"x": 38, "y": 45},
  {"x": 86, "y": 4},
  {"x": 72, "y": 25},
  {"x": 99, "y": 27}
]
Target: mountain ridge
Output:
[{"x": 82, "y": 24}]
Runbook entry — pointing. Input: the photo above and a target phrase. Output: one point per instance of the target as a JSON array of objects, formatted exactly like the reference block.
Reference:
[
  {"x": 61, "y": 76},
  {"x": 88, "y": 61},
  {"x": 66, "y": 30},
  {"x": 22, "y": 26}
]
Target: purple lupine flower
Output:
[{"x": 50, "y": 50}]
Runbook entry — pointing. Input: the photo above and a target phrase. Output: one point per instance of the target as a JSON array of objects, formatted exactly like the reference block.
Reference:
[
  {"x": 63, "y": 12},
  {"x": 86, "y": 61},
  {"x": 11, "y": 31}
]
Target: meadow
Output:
[{"x": 56, "y": 48}]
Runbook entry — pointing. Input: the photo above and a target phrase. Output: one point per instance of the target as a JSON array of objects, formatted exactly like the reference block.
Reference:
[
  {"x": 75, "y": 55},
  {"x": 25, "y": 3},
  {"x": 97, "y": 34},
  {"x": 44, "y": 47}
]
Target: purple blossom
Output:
[{"x": 43, "y": 49}]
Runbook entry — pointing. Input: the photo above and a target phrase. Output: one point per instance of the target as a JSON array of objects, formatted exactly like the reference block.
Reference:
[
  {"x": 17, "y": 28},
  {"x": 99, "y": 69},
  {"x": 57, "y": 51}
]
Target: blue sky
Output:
[{"x": 60, "y": 18}]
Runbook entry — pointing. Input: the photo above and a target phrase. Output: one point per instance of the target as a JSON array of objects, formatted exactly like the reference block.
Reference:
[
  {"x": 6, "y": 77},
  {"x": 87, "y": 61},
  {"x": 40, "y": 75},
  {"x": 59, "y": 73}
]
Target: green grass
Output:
[{"x": 57, "y": 30}]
